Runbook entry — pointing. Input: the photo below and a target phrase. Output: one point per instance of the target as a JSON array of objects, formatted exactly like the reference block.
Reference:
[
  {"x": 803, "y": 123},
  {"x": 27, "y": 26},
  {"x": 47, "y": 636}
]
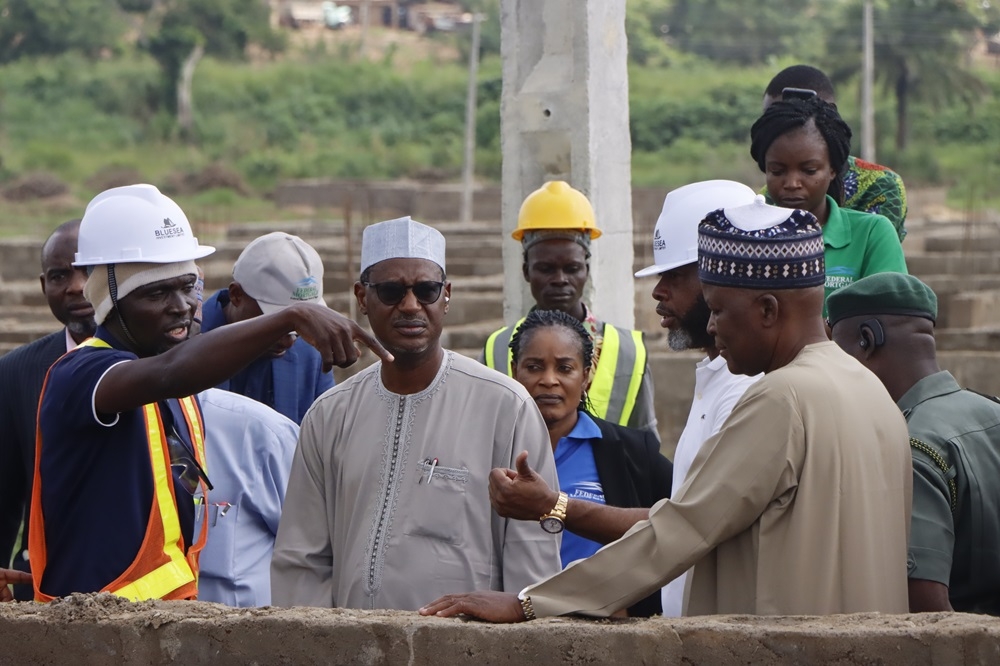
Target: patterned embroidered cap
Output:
[{"x": 759, "y": 246}]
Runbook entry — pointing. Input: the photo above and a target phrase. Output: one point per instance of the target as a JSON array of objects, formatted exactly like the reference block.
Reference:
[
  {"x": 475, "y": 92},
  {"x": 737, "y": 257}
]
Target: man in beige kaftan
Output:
[
  {"x": 388, "y": 502},
  {"x": 800, "y": 504}
]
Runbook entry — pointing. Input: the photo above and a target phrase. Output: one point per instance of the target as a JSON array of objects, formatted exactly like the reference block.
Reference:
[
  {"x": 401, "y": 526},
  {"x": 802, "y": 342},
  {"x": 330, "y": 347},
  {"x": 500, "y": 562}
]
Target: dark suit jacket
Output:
[
  {"x": 634, "y": 474},
  {"x": 22, "y": 372}
]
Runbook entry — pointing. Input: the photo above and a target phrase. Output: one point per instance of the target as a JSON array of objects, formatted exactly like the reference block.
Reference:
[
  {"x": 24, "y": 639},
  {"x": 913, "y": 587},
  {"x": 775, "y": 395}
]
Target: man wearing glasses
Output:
[
  {"x": 387, "y": 503},
  {"x": 120, "y": 458},
  {"x": 273, "y": 272}
]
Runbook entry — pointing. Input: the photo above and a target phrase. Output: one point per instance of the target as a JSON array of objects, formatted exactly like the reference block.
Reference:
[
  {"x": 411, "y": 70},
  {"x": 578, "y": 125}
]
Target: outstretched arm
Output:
[
  {"x": 524, "y": 495},
  {"x": 205, "y": 360}
]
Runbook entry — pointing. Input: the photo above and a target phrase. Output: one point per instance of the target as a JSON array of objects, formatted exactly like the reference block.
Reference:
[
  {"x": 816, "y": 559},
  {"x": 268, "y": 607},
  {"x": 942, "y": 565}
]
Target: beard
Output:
[
  {"x": 691, "y": 332},
  {"x": 82, "y": 328}
]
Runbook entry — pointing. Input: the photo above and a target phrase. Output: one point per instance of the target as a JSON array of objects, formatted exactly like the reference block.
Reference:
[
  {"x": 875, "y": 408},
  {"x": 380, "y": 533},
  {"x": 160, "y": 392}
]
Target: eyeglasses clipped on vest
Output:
[
  {"x": 186, "y": 470},
  {"x": 392, "y": 293}
]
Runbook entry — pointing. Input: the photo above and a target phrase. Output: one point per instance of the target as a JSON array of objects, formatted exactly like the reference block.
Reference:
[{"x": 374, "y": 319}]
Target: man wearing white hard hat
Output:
[
  {"x": 387, "y": 504},
  {"x": 685, "y": 315},
  {"x": 120, "y": 462},
  {"x": 273, "y": 272}
]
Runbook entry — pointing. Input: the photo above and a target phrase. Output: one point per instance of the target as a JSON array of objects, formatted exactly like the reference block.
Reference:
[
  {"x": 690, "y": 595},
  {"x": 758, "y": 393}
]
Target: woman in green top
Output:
[{"x": 802, "y": 146}]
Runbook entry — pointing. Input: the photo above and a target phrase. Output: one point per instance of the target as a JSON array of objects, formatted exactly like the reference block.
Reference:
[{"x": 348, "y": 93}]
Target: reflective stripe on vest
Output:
[
  {"x": 620, "y": 367},
  {"x": 177, "y": 575},
  {"x": 498, "y": 354}
]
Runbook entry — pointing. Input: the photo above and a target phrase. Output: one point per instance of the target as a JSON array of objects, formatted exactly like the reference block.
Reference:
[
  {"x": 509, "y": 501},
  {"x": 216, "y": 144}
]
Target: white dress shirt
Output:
[{"x": 716, "y": 392}]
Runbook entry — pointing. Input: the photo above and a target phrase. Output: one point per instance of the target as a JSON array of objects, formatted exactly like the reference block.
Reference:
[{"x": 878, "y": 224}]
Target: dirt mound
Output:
[
  {"x": 35, "y": 185},
  {"x": 213, "y": 176}
]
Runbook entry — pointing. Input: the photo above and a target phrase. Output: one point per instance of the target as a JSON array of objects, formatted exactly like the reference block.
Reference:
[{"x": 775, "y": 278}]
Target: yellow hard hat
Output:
[{"x": 556, "y": 206}]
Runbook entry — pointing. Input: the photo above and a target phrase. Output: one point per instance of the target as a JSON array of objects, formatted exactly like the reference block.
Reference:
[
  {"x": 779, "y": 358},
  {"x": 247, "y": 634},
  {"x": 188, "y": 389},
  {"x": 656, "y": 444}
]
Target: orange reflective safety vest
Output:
[{"x": 160, "y": 570}]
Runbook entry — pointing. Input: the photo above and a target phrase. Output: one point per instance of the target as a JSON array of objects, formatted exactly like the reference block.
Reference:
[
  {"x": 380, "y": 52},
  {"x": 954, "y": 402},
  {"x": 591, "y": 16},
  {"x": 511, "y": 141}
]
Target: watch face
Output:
[{"x": 552, "y": 525}]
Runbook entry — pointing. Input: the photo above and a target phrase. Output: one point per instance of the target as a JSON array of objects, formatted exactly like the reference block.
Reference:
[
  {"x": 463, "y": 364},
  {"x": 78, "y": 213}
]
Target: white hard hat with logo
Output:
[
  {"x": 675, "y": 240},
  {"x": 136, "y": 223}
]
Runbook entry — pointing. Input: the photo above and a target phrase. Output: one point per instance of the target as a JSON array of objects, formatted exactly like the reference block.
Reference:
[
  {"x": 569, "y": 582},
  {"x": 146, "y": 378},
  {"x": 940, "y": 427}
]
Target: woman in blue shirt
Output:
[{"x": 596, "y": 461}]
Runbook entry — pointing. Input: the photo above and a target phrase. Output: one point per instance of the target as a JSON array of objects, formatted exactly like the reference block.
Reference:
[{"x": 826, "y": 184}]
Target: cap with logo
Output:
[
  {"x": 675, "y": 239},
  {"x": 278, "y": 270}
]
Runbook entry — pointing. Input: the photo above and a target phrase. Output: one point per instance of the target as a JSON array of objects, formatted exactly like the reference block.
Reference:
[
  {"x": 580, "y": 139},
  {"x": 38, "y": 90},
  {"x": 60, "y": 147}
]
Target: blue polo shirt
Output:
[
  {"x": 578, "y": 478},
  {"x": 97, "y": 484},
  {"x": 288, "y": 384}
]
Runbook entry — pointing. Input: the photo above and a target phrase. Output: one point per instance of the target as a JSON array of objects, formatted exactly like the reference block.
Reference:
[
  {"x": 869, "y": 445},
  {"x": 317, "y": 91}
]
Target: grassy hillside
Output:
[{"x": 92, "y": 125}]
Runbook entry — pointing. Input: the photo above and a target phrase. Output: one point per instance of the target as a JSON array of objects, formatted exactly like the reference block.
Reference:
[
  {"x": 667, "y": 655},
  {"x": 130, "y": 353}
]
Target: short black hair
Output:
[
  {"x": 787, "y": 115},
  {"x": 537, "y": 319},
  {"x": 67, "y": 226},
  {"x": 801, "y": 76}
]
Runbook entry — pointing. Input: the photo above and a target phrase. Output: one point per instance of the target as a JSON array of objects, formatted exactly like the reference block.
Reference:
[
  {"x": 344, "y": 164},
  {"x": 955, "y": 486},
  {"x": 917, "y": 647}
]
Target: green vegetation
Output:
[{"x": 96, "y": 111}]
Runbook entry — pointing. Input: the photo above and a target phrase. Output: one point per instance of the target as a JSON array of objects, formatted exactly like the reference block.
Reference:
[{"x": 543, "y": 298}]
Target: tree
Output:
[
  {"x": 189, "y": 29},
  {"x": 740, "y": 32},
  {"x": 51, "y": 27},
  {"x": 921, "y": 53}
]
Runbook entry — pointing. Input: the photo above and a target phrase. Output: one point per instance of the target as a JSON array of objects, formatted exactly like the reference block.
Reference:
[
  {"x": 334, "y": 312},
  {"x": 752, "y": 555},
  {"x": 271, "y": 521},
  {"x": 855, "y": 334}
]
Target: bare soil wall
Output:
[{"x": 98, "y": 630}]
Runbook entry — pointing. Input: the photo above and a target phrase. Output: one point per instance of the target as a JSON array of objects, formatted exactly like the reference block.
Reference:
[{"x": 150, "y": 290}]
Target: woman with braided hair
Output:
[
  {"x": 598, "y": 462},
  {"x": 802, "y": 146}
]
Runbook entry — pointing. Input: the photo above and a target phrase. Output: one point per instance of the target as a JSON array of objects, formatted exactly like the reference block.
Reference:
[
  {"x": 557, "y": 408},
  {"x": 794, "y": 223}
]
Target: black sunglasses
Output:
[
  {"x": 392, "y": 293},
  {"x": 187, "y": 472}
]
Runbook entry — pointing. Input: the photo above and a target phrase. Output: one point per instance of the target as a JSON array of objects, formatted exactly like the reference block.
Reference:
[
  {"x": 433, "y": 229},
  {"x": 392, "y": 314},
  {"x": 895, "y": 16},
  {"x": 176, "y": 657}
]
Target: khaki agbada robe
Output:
[
  {"x": 367, "y": 524},
  {"x": 799, "y": 505}
]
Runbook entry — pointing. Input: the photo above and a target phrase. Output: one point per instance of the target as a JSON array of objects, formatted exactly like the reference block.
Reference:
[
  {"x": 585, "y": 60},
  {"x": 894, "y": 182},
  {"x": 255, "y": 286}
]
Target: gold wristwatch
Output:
[{"x": 554, "y": 521}]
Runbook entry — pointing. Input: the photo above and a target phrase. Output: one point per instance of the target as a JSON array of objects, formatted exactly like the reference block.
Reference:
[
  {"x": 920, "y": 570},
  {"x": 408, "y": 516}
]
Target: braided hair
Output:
[
  {"x": 538, "y": 319},
  {"x": 787, "y": 115}
]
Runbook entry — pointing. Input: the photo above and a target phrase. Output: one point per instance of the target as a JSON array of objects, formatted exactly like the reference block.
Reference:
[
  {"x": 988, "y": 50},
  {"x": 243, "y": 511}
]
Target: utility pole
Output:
[
  {"x": 363, "y": 20},
  {"x": 469, "y": 164},
  {"x": 867, "y": 76}
]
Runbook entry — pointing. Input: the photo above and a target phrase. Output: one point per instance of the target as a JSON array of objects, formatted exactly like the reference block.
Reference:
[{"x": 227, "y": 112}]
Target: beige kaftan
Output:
[
  {"x": 367, "y": 524},
  {"x": 799, "y": 505}
]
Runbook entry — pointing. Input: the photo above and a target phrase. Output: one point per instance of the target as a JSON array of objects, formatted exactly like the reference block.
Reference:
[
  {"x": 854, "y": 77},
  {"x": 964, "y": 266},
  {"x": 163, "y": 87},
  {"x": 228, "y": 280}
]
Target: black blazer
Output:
[
  {"x": 634, "y": 474},
  {"x": 22, "y": 372}
]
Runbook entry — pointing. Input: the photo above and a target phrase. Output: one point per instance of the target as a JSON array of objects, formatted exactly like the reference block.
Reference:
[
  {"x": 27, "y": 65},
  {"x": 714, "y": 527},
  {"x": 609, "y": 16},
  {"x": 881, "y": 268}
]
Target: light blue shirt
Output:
[
  {"x": 249, "y": 449},
  {"x": 578, "y": 478}
]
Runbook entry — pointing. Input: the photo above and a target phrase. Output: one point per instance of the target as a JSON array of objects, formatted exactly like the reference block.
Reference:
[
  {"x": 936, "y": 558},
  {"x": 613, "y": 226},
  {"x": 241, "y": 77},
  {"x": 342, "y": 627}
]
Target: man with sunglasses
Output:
[
  {"x": 273, "y": 272},
  {"x": 387, "y": 503},
  {"x": 120, "y": 458}
]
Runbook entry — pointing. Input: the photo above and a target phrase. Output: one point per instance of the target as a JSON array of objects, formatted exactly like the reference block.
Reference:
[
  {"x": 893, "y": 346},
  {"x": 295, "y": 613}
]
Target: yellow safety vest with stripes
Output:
[
  {"x": 161, "y": 569},
  {"x": 616, "y": 381}
]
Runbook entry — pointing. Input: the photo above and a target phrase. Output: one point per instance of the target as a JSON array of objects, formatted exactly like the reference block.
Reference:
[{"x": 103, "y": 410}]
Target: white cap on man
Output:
[
  {"x": 675, "y": 240},
  {"x": 278, "y": 270},
  {"x": 401, "y": 238}
]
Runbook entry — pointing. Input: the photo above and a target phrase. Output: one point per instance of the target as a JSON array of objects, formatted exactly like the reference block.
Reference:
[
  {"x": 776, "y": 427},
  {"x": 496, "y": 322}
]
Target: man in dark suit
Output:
[{"x": 22, "y": 372}]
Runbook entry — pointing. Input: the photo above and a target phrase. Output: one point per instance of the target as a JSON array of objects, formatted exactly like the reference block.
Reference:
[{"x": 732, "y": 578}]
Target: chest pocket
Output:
[{"x": 437, "y": 504}]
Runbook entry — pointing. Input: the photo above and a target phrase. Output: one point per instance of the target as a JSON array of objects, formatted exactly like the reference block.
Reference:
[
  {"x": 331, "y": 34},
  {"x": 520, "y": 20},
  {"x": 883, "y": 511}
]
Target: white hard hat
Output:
[
  {"x": 136, "y": 223},
  {"x": 675, "y": 240}
]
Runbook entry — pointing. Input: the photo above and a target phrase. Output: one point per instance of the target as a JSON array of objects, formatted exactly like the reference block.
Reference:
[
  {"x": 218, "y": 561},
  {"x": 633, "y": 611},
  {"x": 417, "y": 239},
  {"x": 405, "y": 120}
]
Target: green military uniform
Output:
[{"x": 955, "y": 530}]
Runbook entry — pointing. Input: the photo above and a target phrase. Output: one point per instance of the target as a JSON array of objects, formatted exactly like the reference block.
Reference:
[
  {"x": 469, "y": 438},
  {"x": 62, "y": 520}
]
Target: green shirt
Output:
[
  {"x": 857, "y": 245},
  {"x": 955, "y": 529}
]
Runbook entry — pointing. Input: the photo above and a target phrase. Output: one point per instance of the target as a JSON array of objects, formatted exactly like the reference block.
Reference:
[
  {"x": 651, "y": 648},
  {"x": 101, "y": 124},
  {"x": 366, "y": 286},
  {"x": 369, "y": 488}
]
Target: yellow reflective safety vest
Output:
[
  {"x": 161, "y": 569},
  {"x": 616, "y": 381}
]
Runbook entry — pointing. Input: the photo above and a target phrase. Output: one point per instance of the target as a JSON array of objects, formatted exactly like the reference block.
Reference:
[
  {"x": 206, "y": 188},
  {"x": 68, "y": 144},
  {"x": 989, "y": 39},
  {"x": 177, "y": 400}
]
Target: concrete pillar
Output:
[{"x": 564, "y": 116}]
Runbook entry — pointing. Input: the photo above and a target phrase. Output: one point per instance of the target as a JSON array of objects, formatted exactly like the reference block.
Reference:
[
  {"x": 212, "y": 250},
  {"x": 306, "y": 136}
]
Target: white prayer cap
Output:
[{"x": 402, "y": 238}]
